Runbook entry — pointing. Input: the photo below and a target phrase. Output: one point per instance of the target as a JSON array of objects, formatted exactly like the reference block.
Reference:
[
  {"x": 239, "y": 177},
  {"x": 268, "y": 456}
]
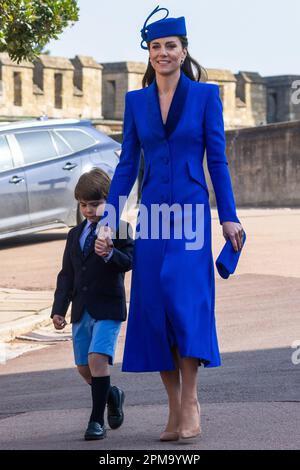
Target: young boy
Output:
[{"x": 92, "y": 278}]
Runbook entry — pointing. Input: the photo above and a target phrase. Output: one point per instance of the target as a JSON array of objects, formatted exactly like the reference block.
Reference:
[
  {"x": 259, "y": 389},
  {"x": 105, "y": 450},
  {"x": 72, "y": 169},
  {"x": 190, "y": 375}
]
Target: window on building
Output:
[
  {"x": 77, "y": 139},
  {"x": 110, "y": 99},
  {"x": 241, "y": 90},
  {"x": 58, "y": 89},
  {"x": 38, "y": 75},
  {"x": 272, "y": 106},
  {"x": 6, "y": 161},
  {"x": 17, "y": 89},
  {"x": 36, "y": 146},
  {"x": 78, "y": 79}
]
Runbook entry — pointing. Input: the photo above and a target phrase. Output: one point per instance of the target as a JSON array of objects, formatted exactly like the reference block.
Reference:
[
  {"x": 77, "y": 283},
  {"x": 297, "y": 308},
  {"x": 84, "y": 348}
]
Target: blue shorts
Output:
[{"x": 94, "y": 336}]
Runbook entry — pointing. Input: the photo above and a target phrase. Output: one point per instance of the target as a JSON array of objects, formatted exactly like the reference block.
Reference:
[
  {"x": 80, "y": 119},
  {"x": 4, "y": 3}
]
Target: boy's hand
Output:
[
  {"x": 59, "y": 322},
  {"x": 103, "y": 246}
]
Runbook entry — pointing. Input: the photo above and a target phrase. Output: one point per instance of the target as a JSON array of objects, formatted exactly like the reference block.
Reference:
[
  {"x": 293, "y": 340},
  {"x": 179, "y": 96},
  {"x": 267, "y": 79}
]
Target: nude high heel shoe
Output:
[
  {"x": 191, "y": 433},
  {"x": 169, "y": 436}
]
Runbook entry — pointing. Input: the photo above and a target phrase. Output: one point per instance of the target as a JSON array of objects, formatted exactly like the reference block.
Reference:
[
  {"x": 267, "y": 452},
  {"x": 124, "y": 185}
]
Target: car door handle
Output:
[
  {"x": 16, "y": 179},
  {"x": 69, "y": 166}
]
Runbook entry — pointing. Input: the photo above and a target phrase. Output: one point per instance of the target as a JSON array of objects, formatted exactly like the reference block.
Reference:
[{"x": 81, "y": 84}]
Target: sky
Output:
[{"x": 239, "y": 35}]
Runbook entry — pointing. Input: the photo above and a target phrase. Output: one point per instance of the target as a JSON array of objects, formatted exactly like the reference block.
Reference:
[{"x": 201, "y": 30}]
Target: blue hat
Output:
[
  {"x": 228, "y": 258},
  {"x": 162, "y": 28}
]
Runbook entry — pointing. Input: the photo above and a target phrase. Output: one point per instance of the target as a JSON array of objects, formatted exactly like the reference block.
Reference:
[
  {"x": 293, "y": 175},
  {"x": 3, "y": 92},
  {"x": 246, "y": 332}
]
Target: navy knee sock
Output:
[{"x": 100, "y": 391}]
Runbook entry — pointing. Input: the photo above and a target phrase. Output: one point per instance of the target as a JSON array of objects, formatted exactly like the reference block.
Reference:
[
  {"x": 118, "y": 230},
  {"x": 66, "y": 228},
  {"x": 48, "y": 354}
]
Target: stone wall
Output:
[
  {"x": 8, "y": 70},
  {"x": 118, "y": 78},
  {"x": 81, "y": 88},
  {"x": 54, "y": 86},
  {"x": 264, "y": 165}
]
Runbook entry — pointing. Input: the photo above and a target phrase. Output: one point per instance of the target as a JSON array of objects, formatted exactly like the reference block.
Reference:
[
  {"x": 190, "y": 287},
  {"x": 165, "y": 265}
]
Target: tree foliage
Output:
[{"x": 26, "y": 26}]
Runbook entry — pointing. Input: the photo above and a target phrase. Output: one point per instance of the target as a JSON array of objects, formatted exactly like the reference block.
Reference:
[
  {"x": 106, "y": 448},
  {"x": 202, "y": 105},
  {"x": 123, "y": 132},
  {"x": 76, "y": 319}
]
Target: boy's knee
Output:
[
  {"x": 98, "y": 364},
  {"x": 85, "y": 372}
]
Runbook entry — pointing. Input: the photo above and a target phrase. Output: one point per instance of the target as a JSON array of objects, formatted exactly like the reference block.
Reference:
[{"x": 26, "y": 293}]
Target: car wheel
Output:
[{"x": 79, "y": 216}]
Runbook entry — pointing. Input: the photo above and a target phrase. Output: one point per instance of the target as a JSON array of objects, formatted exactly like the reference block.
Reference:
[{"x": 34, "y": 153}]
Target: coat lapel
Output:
[
  {"x": 177, "y": 104},
  {"x": 175, "y": 111},
  {"x": 153, "y": 111},
  {"x": 77, "y": 238}
]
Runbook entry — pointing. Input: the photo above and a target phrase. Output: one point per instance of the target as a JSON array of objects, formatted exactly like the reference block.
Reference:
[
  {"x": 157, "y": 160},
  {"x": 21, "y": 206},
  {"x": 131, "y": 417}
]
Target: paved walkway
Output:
[{"x": 251, "y": 402}]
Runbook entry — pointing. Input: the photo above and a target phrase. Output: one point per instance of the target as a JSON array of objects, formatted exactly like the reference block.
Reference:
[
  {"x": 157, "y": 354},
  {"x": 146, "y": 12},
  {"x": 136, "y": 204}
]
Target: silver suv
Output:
[{"x": 40, "y": 163}]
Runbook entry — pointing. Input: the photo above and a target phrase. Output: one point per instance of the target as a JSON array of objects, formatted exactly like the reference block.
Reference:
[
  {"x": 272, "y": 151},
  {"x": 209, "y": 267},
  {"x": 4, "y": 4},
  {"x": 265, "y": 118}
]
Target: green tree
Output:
[{"x": 26, "y": 26}]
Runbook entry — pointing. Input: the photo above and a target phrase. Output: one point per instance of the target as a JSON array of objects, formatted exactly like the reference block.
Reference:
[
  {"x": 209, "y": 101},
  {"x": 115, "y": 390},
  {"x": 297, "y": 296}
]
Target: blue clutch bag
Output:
[{"x": 228, "y": 259}]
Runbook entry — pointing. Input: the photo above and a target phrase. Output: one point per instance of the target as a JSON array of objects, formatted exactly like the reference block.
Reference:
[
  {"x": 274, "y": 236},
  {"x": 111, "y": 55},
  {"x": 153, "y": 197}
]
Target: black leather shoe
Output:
[
  {"x": 115, "y": 401},
  {"x": 94, "y": 431}
]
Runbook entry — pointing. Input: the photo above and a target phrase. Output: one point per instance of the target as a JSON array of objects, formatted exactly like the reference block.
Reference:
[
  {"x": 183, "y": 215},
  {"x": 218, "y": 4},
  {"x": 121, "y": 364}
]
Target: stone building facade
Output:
[
  {"x": 82, "y": 88},
  {"x": 283, "y": 98},
  {"x": 117, "y": 79},
  {"x": 248, "y": 98},
  {"x": 52, "y": 86},
  {"x": 244, "y": 95}
]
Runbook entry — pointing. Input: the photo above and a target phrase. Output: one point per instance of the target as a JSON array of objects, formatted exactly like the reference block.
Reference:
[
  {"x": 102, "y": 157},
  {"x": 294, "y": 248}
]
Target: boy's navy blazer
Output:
[{"x": 89, "y": 282}]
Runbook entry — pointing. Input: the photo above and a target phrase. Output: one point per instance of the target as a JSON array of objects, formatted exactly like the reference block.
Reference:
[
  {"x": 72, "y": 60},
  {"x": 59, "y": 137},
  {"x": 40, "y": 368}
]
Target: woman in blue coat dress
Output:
[{"x": 174, "y": 118}]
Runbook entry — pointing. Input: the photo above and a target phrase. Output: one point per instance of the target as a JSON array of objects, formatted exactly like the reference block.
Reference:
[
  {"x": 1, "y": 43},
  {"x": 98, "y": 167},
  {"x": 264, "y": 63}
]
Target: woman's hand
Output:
[
  {"x": 104, "y": 232},
  {"x": 104, "y": 244},
  {"x": 103, "y": 247},
  {"x": 233, "y": 231}
]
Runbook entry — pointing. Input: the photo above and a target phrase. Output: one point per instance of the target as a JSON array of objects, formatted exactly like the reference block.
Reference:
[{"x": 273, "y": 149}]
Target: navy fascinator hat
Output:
[
  {"x": 228, "y": 258},
  {"x": 162, "y": 28}
]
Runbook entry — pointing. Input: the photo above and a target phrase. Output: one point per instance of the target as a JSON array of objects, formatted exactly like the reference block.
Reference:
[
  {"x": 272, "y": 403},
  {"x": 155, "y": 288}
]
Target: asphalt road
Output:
[
  {"x": 251, "y": 402},
  {"x": 32, "y": 262}
]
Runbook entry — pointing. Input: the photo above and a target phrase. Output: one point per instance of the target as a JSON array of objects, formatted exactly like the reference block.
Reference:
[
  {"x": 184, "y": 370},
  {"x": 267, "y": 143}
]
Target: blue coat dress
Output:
[{"x": 173, "y": 289}]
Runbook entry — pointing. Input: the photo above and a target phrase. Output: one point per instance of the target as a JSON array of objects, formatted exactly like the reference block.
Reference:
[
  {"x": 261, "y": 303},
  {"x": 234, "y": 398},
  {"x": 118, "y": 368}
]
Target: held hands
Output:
[
  {"x": 233, "y": 231},
  {"x": 59, "y": 322},
  {"x": 104, "y": 244}
]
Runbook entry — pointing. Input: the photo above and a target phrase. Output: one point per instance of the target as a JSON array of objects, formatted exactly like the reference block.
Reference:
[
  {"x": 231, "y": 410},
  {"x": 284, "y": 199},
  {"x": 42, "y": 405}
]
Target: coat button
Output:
[
  {"x": 83, "y": 268},
  {"x": 165, "y": 179},
  {"x": 166, "y": 160},
  {"x": 84, "y": 288}
]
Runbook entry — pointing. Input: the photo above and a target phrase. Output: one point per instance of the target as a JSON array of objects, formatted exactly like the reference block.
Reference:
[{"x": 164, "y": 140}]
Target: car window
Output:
[
  {"x": 77, "y": 139},
  {"x": 6, "y": 161},
  {"x": 62, "y": 147},
  {"x": 36, "y": 146}
]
